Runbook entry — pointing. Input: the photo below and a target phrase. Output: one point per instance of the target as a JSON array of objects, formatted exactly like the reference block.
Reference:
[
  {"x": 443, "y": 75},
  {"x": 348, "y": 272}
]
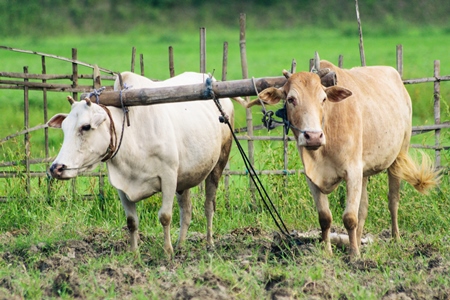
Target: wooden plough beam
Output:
[{"x": 199, "y": 91}]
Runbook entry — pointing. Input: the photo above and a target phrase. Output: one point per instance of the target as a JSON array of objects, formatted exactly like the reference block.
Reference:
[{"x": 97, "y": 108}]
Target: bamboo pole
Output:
[{"x": 55, "y": 57}]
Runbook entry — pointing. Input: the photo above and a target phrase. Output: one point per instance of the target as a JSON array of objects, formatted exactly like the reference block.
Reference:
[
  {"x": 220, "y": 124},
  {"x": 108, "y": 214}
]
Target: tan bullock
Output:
[
  {"x": 351, "y": 140},
  {"x": 168, "y": 148}
]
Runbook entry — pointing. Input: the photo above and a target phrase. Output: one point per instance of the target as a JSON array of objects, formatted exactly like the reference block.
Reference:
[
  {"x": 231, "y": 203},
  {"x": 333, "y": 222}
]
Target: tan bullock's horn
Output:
[
  {"x": 71, "y": 101},
  {"x": 287, "y": 74},
  {"x": 88, "y": 101},
  {"x": 316, "y": 61}
]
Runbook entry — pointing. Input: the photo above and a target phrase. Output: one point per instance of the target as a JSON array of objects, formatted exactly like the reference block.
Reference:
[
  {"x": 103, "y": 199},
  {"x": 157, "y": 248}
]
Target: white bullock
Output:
[
  {"x": 352, "y": 139},
  {"x": 168, "y": 148}
]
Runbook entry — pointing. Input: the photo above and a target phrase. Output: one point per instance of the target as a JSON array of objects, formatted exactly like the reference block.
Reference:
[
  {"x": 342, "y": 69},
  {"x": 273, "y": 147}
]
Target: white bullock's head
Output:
[
  {"x": 87, "y": 139},
  {"x": 304, "y": 97}
]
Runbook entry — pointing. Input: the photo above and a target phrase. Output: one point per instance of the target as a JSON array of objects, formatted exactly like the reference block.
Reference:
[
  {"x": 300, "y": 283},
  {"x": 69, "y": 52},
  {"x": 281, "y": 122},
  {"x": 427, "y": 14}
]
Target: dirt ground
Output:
[{"x": 60, "y": 265}]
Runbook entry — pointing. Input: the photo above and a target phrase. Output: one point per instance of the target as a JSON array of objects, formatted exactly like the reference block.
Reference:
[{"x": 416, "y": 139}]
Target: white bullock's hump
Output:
[{"x": 184, "y": 79}]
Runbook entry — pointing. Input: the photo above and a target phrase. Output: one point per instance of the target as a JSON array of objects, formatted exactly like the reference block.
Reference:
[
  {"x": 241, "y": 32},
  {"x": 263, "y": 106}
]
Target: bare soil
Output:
[{"x": 62, "y": 267}]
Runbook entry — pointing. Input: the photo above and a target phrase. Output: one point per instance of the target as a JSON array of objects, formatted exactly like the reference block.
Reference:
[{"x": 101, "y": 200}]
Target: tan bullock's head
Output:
[
  {"x": 304, "y": 97},
  {"x": 86, "y": 139}
]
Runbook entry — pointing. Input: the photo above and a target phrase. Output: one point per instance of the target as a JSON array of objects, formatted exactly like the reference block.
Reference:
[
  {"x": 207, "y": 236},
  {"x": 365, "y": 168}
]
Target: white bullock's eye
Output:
[{"x": 86, "y": 127}]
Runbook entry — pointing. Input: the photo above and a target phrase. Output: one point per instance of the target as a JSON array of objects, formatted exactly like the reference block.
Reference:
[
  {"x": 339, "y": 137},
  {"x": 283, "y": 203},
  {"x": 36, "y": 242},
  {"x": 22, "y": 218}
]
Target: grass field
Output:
[{"x": 66, "y": 247}]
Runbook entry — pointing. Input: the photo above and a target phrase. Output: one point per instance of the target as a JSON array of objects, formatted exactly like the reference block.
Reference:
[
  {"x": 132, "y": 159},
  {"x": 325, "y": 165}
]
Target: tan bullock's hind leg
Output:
[
  {"x": 132, "y": 220},
  {"x": 185, "y": 204},
  {"x": 394, "y": 198},
  {"x": 325, "y": 217},
  {"x": 363, "y": 208}
]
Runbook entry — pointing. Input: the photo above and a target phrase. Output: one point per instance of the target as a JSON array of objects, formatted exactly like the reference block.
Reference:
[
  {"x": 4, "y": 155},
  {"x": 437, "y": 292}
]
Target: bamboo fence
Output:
[{"x": 44, "y": 82}]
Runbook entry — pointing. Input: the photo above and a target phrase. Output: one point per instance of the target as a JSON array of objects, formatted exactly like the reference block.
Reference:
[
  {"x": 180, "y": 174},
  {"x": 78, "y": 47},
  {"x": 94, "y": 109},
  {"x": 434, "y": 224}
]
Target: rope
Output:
[
  {"x": 251, "y": 171},
  {"x": 125, "y": 116},
  {"x": 97, "y": 93}
]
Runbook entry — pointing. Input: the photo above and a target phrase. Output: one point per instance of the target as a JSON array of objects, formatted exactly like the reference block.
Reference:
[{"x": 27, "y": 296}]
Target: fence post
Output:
[
  {"x": 26, "y": 123},
  {"x": 44, "y": 95},
  {"x": 171, "y": 64},
  {"x": 202, "y": 50},
  {"x": 141, "y": 61},
  {"x": 248, "y": 111},
  {"x": 97, "y": 82},
  {"x": 133, "y": 58},
  {"x": 75, "y": 96},
  {"x": 341, "y": 61},
  {"x": 400, "y": 60},
  {"x": 437, "y": 112},
  {"x": 227, "y": 166}
]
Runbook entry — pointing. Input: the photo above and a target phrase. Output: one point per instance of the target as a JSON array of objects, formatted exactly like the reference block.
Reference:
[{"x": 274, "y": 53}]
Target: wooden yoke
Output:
[{"x": 222, "y": 89}]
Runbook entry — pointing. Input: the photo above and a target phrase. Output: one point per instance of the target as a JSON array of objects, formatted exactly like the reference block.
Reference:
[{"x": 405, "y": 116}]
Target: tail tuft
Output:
[{"x": 421, "y": 176}]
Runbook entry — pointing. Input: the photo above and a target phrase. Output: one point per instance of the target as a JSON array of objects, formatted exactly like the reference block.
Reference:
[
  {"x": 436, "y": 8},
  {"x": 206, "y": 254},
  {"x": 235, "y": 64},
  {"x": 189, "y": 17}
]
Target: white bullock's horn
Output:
[
  {"x": 71, "y": 101},
  {"x": 287, "y": 74},
  {"x": 88, "y": 101}
]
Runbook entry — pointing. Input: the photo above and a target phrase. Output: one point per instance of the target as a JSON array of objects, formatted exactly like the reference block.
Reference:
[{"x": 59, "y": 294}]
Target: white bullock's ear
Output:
[
  {"x": 337, "y": 93},
  {"x": 56, "y": 120},
  {"x": 97, "y": 119}
]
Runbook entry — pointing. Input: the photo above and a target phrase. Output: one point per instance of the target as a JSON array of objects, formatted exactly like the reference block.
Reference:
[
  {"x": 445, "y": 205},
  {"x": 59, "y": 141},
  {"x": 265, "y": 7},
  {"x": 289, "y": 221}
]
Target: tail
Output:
[{"x": 422, "y": 177}]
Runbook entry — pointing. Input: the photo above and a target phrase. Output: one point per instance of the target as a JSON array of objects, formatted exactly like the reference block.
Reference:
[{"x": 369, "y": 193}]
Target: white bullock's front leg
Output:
[
  {"x": 132, "y": 219},
  {"x": 185, "y": 204},
  {"x": 350, "y": 217},
  {"x": 168, "y": 187},
  {"x": 325, "y": 217}
]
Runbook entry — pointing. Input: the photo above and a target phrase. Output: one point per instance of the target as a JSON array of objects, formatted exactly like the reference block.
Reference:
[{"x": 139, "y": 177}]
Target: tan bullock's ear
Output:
[
  {"x": 269, "y": 96},
  {"x": 337, "y": 93},
  {"x": 56, "y": 120}
]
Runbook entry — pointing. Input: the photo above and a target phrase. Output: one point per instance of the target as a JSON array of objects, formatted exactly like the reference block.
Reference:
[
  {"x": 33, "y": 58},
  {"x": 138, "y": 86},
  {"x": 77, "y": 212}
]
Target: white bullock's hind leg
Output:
[
  {"x": 363, "y": 208},
  {"x": 325, "y": 217},
  {"x": 132, "y": 219},
  {"x": 211, "y": 184},
  {"x": 185, "y": 204},
  {"x": 394, "y": 198}
]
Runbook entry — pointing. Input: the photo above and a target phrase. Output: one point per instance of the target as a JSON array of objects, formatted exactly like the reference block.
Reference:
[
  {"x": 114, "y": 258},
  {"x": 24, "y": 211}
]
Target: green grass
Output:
[{"x": 241, "y": 262}]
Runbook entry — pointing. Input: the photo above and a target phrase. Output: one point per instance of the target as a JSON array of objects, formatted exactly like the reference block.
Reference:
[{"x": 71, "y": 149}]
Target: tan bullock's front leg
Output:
[
  {"x": 363, "y": 208},
  {"x": 350, "y": 216},
  {"x": 325, "y": 217},
  {"x": 185, "y": 204}
]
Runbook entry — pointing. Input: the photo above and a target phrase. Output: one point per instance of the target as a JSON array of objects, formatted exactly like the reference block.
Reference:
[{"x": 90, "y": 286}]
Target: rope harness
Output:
[
  {"x": 223, "y": 118},
  {"x": 113, "y": 147}
]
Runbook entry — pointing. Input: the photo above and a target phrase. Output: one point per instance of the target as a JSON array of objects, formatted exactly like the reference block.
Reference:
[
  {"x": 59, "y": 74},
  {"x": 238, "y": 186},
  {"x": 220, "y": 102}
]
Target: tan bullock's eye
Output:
[
  {"x": 324, "y": 98},
  {"x": 291, "y": 100},
  {"x": 86, "y": 127}
]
